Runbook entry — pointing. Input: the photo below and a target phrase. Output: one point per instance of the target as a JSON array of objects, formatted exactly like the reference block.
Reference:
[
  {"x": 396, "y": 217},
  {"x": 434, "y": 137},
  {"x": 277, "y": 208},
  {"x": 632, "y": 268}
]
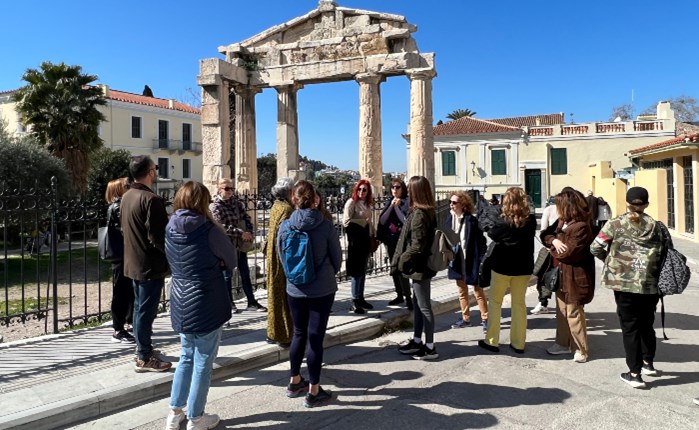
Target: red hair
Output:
[{"x": 355, "y": 195}]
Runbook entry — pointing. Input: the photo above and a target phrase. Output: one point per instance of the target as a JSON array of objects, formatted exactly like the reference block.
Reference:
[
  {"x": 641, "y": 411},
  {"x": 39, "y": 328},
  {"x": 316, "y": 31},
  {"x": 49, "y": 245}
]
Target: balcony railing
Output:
[
  {"x": 611, "y": 127},
  {"x": 176, "y": 145},
  {"x": 647, "y": 125},
  {"x": 574, "y": 129},
  {"x": 541, "y": 131}
]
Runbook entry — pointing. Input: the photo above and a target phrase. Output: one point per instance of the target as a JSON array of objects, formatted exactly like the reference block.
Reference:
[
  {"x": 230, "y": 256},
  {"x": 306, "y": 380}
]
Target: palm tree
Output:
[
  {"x": 460, "y": 113},
  {"x": 61, "y": 106}
]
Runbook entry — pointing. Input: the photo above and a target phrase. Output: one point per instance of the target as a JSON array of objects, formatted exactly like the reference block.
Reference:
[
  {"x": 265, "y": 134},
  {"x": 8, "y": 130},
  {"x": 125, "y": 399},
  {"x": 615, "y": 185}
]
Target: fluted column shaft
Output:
[
  {"x": 370, "y": 148},
  {"x": 421, "y": 160},
  {"x": 287, "y": 131},
  {"x": 245, "y": 139}
]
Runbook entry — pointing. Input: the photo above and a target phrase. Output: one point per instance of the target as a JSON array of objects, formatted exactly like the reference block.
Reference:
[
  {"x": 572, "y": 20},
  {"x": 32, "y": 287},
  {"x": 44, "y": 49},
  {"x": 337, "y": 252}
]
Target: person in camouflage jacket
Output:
[{"x": 632, "y": 249}]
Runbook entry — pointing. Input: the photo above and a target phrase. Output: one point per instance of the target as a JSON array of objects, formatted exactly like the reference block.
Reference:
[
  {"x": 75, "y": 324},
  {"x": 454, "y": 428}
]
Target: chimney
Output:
[
  {"x": 538, "y": 121},
  {"x": 105, "y": 90},
  {"x": 171, "y": 103}
]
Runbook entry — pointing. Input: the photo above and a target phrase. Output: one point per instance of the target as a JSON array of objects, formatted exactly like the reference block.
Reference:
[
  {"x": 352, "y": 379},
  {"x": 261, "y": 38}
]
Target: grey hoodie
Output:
[{"x": 326, "y": 252}]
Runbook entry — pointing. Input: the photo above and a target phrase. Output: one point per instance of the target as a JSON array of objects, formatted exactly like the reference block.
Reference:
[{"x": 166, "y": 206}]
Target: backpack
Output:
[
  {"x": 297, "y": 256},
  {"x": 674, "y": 273},
  {"x": 441, "y": 252}
]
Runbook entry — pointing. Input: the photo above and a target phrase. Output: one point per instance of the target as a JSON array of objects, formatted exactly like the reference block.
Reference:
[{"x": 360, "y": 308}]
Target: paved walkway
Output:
[{"x": 56, "y": 380}]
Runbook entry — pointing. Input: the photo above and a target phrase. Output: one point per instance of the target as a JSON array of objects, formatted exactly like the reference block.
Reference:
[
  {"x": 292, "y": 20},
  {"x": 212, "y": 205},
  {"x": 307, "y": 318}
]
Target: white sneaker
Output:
[
  {"x": 557, "y": 349},
  {"x": 580, "y": 357},
  {"x": 204, "y": 422},
  {"x": 539, "y": 309},
  {"x": 173, "y": 421}
]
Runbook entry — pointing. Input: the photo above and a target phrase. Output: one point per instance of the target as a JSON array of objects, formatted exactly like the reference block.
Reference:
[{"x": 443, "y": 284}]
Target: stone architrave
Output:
[
  {"x": 215, "y": 133},
  {"x": 287, "y": 131},
  {"x": 245, "y": 139},
  {"x": 370, "y": 164},
  {"x": 421, "y": 160}
]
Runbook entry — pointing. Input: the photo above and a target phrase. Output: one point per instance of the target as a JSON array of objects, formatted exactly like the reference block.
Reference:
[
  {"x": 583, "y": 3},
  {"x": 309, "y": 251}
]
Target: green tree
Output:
[
  {"x": 60, "y": 104},
  {"x": 105, "y": 165},
  {"x": 266, "y": 173},
  {"x": 460, "y": 113},
  {"x": 27, "y": 165}
]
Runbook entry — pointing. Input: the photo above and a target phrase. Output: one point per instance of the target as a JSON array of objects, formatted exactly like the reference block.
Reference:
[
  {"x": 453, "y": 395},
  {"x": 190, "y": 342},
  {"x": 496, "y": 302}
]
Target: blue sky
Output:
[{"x": 500, "y": 59}]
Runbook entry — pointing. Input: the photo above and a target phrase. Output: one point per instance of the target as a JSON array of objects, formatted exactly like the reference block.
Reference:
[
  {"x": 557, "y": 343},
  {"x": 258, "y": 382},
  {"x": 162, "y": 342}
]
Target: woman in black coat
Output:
[
  {"x": 462, "y": 228},
  {"x": 388, "y": 231}
]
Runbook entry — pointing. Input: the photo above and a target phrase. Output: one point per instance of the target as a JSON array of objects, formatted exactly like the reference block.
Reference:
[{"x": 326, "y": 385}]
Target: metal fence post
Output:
[{"x": 53, "y": 251}]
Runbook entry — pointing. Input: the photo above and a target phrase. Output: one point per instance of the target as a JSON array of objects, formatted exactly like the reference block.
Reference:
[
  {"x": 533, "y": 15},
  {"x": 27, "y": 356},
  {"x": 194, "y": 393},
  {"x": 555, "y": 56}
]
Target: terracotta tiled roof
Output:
[
  {"x": 693, "y": 138},
  {"x": 531, "y": 120},
  {"x": 470, "y": 125},
  {"x": 150, "y": 101}
]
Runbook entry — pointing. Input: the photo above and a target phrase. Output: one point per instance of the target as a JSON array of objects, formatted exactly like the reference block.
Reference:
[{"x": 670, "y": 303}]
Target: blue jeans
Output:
[
  {"x": 145, "y": 307},
  {"x": 244, "y": 271},
  {"x": 192, "y": 379},
  {"x": 358, "y": 283},
  {"x": 423, "y": 317}
]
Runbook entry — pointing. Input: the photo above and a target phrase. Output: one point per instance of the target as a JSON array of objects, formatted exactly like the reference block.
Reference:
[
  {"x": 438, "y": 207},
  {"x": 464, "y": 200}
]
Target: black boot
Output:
[
  {"x": 357, "y": 307},
  {"x": 366, "y": 305},
  {"x": 397, "y": 301},
  {"x": 409, "y": 303}
]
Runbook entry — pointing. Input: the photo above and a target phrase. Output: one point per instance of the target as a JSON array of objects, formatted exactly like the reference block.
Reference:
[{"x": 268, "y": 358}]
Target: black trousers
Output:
[
  {"x": 122, "y": 297},
  {"x": 637, "y": 315},
  {"x": 400, "y": 282}
]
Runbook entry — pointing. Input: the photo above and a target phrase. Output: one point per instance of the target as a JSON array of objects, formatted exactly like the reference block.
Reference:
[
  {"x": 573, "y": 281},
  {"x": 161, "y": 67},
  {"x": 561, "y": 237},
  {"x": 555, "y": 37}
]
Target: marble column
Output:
[
  {"x": 245, "y": 139},
  {"x": 370, "y": 150},
  {"x": 421, "y": 160},
  {"x": 215, "y": 132},
  {"x": 287, "y": 131}
]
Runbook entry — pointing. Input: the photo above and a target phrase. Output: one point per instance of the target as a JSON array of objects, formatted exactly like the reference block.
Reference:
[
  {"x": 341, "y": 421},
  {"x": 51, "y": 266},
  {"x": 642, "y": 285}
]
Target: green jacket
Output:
[
  {"x": 413, "y": 246},
  {"x": 632, "y": 254}
]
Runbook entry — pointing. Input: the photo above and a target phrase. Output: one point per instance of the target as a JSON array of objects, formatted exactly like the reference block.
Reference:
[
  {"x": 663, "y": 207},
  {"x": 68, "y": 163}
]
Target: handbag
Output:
[
  {"x": 552, "y": 278},
  {"x": 110, "y": 242},
  {"x": 484, "y": 270},
  {"x": 674, "y": 272},
  {"x": 243, "y": 246},
  {"x": 374, "y": 244}
]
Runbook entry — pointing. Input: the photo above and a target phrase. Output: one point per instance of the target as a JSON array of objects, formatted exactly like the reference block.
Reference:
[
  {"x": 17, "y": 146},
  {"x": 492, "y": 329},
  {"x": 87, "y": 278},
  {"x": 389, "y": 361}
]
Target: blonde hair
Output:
[
  {"x": 194, "y": 196},
  {"x": 515, "y": 209},
  {"x": 116, "y": 188}
]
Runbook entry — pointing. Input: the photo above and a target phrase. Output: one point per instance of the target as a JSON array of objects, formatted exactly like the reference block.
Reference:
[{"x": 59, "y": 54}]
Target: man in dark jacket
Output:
[{"x": 143, "y": 221}]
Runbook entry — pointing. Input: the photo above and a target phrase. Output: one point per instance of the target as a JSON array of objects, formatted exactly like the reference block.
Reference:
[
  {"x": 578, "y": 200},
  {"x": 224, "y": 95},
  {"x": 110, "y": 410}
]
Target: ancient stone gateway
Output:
[{"x": 328, "y": 44}]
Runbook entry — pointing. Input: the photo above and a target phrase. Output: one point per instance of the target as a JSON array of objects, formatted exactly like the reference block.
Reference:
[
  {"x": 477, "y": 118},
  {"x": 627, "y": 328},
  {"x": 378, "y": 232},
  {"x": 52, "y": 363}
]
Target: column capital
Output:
[
  {"x": 292, "y": 86},
  {"x": 421, "y": 74},
  {"x": 369, "y": 78},
  {"x": 243, "y": 89}
]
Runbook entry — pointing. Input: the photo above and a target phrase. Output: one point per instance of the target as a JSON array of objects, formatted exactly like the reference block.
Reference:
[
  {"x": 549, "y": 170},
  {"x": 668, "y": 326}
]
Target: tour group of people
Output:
[{"x": 207, "y": 238}]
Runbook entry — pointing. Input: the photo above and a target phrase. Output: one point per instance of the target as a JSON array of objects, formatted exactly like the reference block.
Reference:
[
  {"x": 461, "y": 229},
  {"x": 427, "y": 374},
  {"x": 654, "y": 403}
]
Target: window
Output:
[
  {"x": 559, "y": 161},
  {"x": 163, "y": 134},
  {"x": 136, "y": 130},
  {"x": 186, "y": 137},
  {"x": 186, "y": 168},
  {"x": 497, "y": 162},
  {"x": 163, "y": 168},
  {"x": 448, "y": 163}
]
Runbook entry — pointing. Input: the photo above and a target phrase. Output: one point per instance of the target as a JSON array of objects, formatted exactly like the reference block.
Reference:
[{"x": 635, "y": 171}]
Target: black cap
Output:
[{"x": 637, "y": 196}]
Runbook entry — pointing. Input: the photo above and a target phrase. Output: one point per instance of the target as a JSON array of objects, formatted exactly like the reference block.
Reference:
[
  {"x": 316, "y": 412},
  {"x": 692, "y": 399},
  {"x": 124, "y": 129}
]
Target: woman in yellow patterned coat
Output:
[{"x": 279, "y": 324}]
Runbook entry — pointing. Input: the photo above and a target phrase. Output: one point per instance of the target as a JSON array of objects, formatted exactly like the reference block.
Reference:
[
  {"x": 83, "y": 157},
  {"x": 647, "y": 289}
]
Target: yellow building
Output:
[
  {"x": 668, "y": 172},
  {"x": 541, "y": 153},
  {"x": 166, "y": 130}
]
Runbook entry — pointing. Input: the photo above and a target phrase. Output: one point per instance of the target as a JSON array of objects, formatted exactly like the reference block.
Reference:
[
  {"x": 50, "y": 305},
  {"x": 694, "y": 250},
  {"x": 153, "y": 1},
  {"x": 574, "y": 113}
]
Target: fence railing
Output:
[{"x": 52, "y": 279}]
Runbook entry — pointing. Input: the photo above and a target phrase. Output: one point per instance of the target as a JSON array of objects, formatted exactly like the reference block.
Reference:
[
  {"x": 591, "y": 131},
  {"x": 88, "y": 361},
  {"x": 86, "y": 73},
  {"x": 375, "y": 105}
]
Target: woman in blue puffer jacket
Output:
[
  {"x": 310, "y": 303},
  {"x": 196, "y": 248}
]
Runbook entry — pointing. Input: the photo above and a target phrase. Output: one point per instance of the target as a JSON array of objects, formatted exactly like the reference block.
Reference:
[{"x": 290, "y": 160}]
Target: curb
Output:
[{"x": 103, "y": 402}]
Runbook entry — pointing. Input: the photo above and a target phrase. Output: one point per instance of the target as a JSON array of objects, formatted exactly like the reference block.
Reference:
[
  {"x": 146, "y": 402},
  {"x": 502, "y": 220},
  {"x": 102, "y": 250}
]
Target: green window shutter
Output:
[
  {"x": 559, "y": 161},
  {"x": 448, "y": 163},
  {"x": 497, "y": 162}
]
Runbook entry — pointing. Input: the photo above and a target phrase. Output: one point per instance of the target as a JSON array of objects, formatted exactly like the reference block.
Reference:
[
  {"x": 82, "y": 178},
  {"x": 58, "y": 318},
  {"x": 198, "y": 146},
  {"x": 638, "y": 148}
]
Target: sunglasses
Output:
[
  {"x": 453, "y": 202},
  {"x": 395, "y": 187},
  {"x": 228, "y": 189},
  {"x": 362, "y": 190}
]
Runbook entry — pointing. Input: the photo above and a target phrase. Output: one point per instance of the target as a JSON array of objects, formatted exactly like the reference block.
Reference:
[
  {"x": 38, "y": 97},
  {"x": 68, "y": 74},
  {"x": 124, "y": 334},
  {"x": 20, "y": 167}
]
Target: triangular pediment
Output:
[{"x": 329, "y": 32}]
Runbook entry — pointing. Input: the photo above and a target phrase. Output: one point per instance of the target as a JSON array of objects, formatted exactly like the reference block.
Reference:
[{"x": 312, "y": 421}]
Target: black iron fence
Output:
[{"x": 52, "y": 279}]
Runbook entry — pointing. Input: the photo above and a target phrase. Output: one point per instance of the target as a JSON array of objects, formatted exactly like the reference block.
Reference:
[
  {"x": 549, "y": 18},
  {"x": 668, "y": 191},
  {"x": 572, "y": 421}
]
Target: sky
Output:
[{"x": 500, "y": 59}]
